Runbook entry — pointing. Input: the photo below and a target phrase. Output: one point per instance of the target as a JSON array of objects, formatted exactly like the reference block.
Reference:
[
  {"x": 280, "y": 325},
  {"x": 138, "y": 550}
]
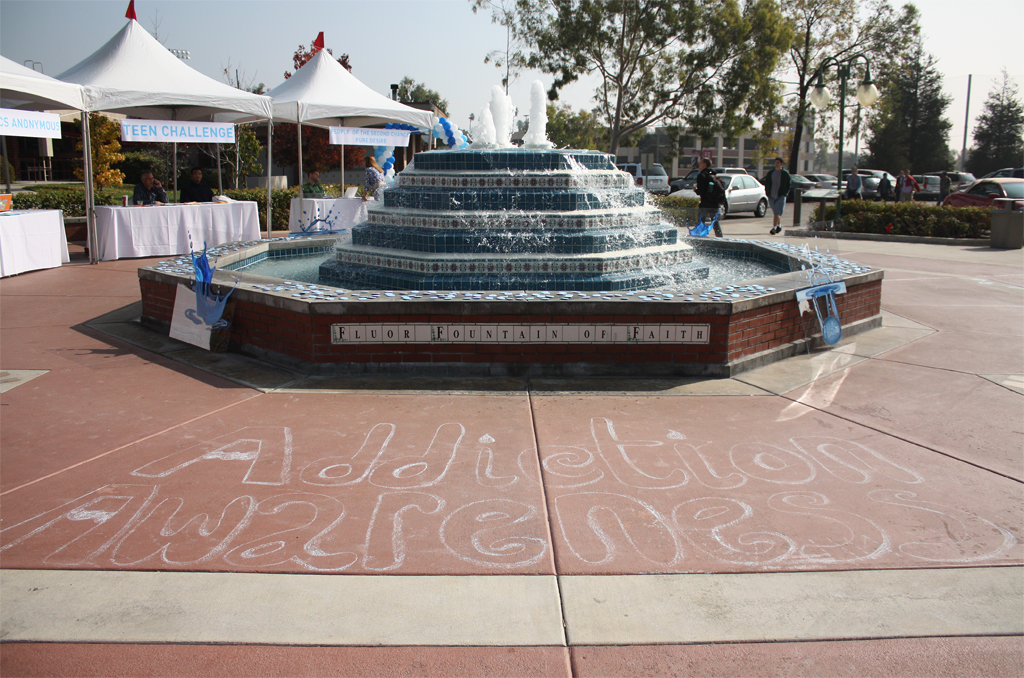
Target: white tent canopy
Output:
[
  {"x": 134, "y": 74},
  {"x": 21, "y": 87},
  {"x": 323, "y": 93}
]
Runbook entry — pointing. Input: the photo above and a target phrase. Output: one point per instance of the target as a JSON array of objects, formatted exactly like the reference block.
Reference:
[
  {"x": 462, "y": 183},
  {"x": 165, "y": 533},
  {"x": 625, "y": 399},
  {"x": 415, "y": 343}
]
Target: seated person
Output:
[
  {"x": 197, "y": 191},
  {"x": 149, "y": 191},
  {"x": 313, "y": 188}
]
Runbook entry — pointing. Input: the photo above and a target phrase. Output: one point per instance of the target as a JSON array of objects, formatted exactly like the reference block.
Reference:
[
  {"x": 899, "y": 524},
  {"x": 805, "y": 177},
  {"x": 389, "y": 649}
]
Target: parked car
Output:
[
  {"x": 957, "y": 180},
  {"x": 744, "y": 193},
  {"x": 878, "y": 174},
  {"x": 822, "y": 180},
  {"x": 654, "y": 180},
  {"x": 1015, "y": 172},
  {"x": 929, "y": 188},
  {"x": 982, "y": 192},
  {"x": 688, "y": 182},
  {"x": 798, "y": 182}
]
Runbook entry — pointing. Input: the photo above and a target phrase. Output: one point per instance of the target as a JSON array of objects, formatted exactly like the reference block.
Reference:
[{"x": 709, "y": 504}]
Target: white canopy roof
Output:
[
  {"x": 327, "y": 94},
  {"x": 134, "y": 74},
  {"x": 22, "y": 87}
]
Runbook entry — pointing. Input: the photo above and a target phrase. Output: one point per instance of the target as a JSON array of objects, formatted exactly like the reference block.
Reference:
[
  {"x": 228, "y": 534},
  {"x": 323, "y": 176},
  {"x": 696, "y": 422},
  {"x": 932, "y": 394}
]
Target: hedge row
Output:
[
  {"x": 680, "y": 211},
  {"x": 72, "y": 200},
  {"x": 907, "y": 218}
]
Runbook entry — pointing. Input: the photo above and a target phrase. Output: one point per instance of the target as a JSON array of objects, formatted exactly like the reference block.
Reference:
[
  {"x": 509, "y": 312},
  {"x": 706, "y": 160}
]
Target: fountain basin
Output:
[{"x": 676, "y": 332}]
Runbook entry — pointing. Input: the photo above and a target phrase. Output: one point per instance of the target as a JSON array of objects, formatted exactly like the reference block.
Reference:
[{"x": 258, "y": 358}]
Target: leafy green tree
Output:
[
  {"x": 707, "y": 65},
  {"x": 248, "y": 154},
  {"x": 303, "y": 54},
  {"x": 104, "y": 135},
  {"x": 839, "y": 28},
  {"x": 999, "y": 134},
  {"x": 410, "y": 91},
  {"x": 575, "y": 129},
  {"x": 909, "y": 129}
]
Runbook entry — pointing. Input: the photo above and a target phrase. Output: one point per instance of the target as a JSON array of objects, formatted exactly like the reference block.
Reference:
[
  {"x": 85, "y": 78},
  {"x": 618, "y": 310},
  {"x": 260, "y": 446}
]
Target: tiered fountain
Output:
[{"x": 512, "y": 219}]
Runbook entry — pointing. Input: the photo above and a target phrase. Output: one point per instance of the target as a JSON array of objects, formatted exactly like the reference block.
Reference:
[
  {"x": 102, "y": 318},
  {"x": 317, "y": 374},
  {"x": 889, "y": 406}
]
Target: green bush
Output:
[
  {"x": 680, "y": 211},
  {"x": 70, "y": 201},
  {"x": 908, "y": 218},
  {"x": 135, "y": 162},
  {"x": 280, "y": 203}
]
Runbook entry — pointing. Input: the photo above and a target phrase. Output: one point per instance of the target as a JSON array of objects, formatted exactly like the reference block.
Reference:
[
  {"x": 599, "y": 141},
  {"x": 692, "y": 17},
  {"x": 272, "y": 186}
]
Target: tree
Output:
[
  {"x": 302, "y": 55},
  {"x": 705, "y": 64},
  {"x": 575, "y": 129},
  {"x": 248, "y": 154},
  {"x": 831, "y": 28},
  {"x": 103, "y": 136},
  {"x": 317, "y": 151},
  {"x": 999, "y": 134},
  {"x": 410, "y": 91},
  {"x": 908, "y": 129},
  {"x": 505, "y": 13}
]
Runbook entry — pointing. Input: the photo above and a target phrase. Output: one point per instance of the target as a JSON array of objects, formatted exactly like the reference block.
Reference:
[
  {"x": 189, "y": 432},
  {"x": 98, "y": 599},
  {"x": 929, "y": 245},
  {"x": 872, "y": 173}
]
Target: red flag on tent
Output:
[
  {"x": 130, "y": 14},
  {"x": 318, "y": 44}
]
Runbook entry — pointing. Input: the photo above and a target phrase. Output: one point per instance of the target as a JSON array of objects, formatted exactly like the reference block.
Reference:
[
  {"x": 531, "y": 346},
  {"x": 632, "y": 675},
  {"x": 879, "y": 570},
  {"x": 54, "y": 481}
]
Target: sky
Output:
[{"x": 439, "y": 43}]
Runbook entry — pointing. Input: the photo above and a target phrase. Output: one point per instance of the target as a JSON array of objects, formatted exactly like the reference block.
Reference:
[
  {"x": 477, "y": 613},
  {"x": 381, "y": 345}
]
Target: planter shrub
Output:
[
  {"x": 70, "y": 201},
  {"x": 680, "y": 211},
  {"x": 909, "y": 218}
]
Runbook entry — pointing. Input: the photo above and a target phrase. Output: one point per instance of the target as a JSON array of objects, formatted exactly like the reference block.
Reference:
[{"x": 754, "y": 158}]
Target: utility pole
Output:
[{"x": 967, "y": 122}]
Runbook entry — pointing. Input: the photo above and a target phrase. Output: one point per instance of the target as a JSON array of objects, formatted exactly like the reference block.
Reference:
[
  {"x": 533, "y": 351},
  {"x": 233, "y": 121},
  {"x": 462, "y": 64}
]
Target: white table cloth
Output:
[
  {"x": 338, "y": 214},
  {"x": 31, "y": 240},
  {"x": 164, "y": 230}
]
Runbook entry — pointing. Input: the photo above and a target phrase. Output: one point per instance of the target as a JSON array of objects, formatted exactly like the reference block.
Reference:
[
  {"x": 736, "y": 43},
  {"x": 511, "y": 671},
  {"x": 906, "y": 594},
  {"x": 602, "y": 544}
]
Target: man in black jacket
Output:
[
  {"x": 711, "y": 196},
  {"x": 197, "y": 191},
  {"x": 776, "y": 185}
]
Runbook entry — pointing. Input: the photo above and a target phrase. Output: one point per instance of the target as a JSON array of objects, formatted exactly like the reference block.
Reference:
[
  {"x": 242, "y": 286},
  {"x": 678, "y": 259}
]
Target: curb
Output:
[{"x": 927, "y": 240}]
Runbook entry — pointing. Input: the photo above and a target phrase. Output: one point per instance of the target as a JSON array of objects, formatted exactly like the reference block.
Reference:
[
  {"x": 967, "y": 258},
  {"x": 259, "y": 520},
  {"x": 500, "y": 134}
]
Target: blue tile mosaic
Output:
[{"x": 511, "y": 219}]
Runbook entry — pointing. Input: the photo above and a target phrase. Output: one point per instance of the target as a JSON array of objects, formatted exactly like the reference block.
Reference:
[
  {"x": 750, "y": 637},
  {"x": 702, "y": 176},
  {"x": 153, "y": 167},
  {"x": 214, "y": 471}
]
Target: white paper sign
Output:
[
  {"x": 183, "y": 327},
  {"x": 173, "y": 130},
  {"x": 29, "y": 124},
  {"x": 368, "y": 136}
]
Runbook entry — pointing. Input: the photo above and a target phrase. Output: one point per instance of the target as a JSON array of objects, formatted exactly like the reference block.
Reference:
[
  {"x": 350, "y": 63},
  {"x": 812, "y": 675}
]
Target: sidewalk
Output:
[{"x": 856, "y": 511}]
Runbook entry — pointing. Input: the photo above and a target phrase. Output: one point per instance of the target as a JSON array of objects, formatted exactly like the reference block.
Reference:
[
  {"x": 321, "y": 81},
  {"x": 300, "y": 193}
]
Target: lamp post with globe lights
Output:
[{"x": 867, "y": 94}]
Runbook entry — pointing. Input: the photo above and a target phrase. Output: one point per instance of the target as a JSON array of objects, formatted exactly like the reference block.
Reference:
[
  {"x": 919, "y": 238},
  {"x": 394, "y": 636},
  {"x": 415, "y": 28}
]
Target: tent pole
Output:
[
  {"x": 238, "y": 168},
  {"x": 220, "y": 180},
  {"x": 90, "y": 213},
  {"x": 298, "y": 122},
  {"x": 270, "y": 158},
  {"x": 7, "y": 172},
  {"x": 174, "y": 151}
]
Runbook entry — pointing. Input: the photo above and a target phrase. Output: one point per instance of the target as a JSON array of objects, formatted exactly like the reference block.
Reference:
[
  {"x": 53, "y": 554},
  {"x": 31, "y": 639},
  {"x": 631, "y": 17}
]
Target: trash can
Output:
[{"x": 1007, "y": 225}]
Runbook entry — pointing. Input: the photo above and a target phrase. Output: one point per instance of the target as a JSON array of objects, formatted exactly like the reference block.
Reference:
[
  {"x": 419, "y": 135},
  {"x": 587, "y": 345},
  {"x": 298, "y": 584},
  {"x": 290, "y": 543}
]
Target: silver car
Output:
[
  {"x": 744, "y": 193},
  {"x": 822, "y": 180}
]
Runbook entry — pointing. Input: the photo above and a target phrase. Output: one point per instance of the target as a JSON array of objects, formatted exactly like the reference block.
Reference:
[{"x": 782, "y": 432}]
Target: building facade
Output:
[{"x": 723, "y": 151}]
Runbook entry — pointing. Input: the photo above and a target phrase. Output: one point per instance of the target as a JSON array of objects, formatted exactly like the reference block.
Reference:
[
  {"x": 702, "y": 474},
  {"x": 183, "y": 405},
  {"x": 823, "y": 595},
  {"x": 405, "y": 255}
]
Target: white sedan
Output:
[{"x": 743, "y": 193}]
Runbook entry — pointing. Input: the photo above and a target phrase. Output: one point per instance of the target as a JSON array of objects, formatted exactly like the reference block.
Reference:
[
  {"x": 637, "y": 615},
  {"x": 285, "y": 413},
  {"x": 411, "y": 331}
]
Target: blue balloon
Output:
[
  {"x": 387, "y": 125},
  {"x": 442, "y": 120}
]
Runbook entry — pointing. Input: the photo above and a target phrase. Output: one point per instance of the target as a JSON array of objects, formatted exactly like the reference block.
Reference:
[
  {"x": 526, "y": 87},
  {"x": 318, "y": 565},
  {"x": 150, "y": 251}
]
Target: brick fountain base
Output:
[{"x": 318, "y": 329}]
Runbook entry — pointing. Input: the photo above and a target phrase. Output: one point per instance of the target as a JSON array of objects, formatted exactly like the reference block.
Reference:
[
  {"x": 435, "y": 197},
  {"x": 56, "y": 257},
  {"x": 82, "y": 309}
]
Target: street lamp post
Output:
[{"x": 820, "y": 97}]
